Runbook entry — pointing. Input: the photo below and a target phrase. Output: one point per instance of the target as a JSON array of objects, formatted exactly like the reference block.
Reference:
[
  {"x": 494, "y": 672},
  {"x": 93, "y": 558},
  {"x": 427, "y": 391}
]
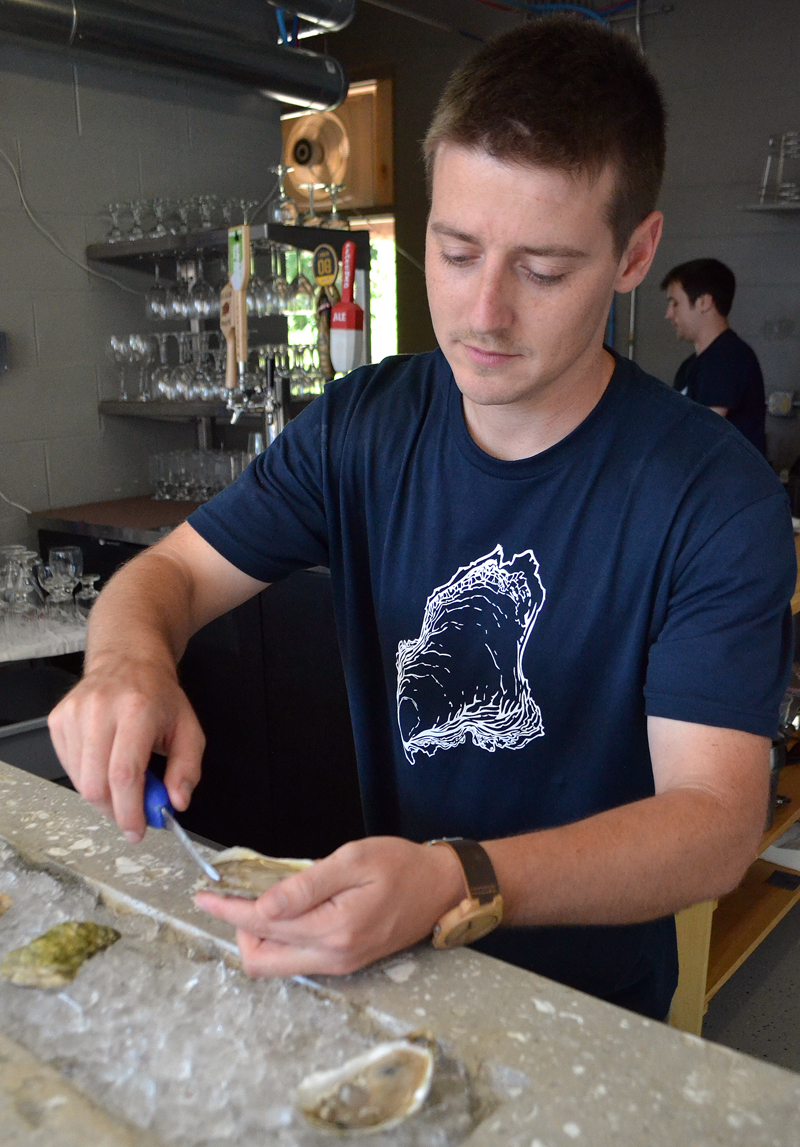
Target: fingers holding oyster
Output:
[{"x": 366, "y": 900}]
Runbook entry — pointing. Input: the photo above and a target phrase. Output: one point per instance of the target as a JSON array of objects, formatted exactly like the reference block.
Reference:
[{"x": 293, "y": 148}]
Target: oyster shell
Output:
[
  {"x": 247, "y": 874},
  {"x": 373, "y": 1092},
  {"x": 5, "y": 903},
  {"x": 53, "y": 960}
]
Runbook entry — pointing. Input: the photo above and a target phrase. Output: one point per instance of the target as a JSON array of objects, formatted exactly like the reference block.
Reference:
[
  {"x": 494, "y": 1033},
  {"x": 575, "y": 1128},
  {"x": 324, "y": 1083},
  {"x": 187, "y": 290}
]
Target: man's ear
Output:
[
  {"x": 639, "y": 254},
  {"x": 704, "y": 303}
]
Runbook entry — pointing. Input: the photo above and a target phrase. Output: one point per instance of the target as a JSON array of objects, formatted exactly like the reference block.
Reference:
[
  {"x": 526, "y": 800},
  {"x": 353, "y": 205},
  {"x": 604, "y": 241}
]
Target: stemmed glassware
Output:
[
  {"x": 120, "y": 352},
  {"x": 116, "y": 234},
  {"x": 155, "y": 299},
  {"x": 160, "y": 378},
  {"x": 203, "y": 300},
  {"x": 206, "y": 205},
  {"x": 142, "y": 353},
  {"x": 311, "y": 218},
  {"x": 335, "y": 221},
  {"x": 301, "y": 291},
  {"x": 281, "y": 208},
  {"x": 137, "y": 209},
  {"x": 160, "y": 208},
  {"x": 86, "y": 596},
  {"x": 179, "y": 294}
]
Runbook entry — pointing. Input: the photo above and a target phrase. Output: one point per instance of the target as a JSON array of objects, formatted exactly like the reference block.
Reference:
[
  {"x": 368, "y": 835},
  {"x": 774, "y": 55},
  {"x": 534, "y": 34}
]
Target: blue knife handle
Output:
[{"x": 156, "y": 799}]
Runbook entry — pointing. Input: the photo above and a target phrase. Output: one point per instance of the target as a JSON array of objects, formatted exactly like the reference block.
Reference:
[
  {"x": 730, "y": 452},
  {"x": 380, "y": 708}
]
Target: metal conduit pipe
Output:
[
  {"x": 117, "y": 29},
  {"x": 328, "y": 15}
]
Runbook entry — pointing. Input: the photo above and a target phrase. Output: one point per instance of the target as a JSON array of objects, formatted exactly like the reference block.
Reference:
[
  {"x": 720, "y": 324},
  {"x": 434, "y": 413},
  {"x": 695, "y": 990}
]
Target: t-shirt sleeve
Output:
[
  {"x": 720, "y": 380},
  {"x": 723, "y": 655},
  {"x": 272, "y": 520}
]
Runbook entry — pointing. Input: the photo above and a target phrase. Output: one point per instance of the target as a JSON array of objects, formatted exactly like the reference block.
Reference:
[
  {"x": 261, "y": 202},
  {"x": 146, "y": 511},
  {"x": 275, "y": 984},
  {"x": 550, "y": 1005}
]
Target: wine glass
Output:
[
  {"x": 282, "y": 209},
  {"x": 203, "y": 299},
  {"x": 120, "y": 352},
  {"x": 159, "y": 207},
  {"x": 116, "y": 234},
  {"x": 142, "y": 353},
  {"x": 335, "y": 221},
  {"x": 86, "y": 596},
  {"x": 311, "y": 218},
  {"x": 301, "y": 290},
  {"x": 155, "y": 299},
  {"x": 160, "y": 378}
]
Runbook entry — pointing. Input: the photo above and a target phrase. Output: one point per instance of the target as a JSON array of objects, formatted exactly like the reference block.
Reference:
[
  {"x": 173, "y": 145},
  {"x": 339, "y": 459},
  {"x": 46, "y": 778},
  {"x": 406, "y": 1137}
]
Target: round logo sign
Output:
[{"x": 326, "y": 265}]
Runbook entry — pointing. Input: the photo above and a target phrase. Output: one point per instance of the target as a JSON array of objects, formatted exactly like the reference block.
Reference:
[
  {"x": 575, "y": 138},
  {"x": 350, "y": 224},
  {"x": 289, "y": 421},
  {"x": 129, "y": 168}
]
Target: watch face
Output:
[{"x": 470, "y": 930}]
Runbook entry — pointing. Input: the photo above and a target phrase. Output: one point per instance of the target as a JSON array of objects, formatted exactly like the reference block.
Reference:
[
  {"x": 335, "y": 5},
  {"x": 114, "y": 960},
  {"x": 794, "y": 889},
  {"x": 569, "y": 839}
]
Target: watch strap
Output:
[{"x": 479, "y": 874}]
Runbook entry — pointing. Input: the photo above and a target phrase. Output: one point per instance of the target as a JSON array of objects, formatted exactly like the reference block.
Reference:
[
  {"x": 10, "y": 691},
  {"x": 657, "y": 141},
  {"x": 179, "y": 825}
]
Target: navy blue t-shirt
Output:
[
  {"x": 506, "y": 627},
  {"x": 727, "y": 374}
]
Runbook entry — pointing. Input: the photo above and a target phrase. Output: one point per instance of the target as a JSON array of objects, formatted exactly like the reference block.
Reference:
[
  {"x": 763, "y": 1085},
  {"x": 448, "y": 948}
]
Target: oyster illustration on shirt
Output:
[{"x": 463, "y": 677}]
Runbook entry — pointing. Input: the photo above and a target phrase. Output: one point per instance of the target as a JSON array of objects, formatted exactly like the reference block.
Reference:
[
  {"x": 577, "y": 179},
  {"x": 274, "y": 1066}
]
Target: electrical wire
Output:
[
  {"x": 414, "y": 262},
  {"x": 52, "y": 239},
  {"x": 11, "y": 502},
  {"x": 542, "y": 9}
]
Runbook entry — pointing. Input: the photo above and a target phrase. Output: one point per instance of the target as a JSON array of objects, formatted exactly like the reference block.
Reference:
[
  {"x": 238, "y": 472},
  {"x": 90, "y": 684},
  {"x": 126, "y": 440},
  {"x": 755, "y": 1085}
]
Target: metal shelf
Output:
[
  {"x": 164, "y": 411},
  {"x": 773, "y": 207},
  {"x": 143, "y": 254}
]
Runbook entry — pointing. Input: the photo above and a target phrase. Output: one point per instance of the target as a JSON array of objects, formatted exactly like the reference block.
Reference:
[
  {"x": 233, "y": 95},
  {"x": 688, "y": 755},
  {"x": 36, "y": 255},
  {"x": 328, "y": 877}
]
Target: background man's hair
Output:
[
  {"x": 566, "y": 93},
  {"x": 704, "y": 277}
]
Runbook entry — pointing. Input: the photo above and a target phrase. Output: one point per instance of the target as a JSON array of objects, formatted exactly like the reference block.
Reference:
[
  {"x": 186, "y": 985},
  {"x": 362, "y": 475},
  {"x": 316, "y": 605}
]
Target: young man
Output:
[
  {"x": 561, "y": 588},
  {"x": 723, "y": 372}
]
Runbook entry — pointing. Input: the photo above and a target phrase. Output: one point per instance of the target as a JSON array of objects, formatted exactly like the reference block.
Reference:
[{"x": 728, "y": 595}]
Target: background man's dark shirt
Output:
[{"x": 727, "y": 374}]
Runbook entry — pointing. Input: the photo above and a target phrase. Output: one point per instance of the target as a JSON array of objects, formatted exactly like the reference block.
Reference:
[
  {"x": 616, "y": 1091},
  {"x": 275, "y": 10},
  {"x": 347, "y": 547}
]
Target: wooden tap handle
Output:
[{"x": 226, "y": 325}]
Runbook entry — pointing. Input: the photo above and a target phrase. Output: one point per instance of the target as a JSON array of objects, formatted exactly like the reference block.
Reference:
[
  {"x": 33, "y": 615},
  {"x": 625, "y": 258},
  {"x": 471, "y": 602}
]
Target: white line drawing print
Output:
[{"x": 463, "y": 675}]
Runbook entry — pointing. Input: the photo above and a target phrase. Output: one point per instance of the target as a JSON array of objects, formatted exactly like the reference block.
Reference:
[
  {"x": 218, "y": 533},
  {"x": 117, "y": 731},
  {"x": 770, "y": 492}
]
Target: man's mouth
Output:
[{"x": 483, "y": 357}]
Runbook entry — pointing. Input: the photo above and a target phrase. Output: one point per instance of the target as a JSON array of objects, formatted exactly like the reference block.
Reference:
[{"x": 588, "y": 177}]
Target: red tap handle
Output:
[{"x": 348, "y": 270}]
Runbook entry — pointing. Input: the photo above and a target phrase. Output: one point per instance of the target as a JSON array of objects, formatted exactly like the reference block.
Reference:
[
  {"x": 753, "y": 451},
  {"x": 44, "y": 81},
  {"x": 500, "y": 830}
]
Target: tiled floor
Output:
[{"x": 758, "y": 1010}]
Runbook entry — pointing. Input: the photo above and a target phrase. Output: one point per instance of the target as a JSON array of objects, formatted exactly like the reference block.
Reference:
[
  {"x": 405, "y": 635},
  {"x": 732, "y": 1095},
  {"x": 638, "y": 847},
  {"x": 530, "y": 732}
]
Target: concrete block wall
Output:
[{"x": 83, "y": 134}]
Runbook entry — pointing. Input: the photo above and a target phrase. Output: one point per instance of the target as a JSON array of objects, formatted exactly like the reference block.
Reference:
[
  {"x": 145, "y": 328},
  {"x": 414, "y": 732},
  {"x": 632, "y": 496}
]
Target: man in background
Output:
[{"x": 723, "y": 373}]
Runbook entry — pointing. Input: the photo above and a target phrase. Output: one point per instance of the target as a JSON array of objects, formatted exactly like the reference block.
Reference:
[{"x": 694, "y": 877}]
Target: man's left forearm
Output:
[{"x": 626, "y": 865}]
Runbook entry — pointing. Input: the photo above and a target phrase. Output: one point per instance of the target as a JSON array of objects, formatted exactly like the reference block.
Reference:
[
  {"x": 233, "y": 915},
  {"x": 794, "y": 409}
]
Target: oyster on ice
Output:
[
  {"x": 373, "y": 1092},
  {"x": 247, "y": 874},
  {"x": 53, "y": 960}
]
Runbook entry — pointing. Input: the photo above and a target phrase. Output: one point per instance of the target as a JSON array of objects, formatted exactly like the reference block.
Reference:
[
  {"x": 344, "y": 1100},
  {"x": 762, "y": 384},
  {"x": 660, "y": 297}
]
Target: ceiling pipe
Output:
[
  {"x": 328, "y": 15},
  {"x": 116, "y": 29}
]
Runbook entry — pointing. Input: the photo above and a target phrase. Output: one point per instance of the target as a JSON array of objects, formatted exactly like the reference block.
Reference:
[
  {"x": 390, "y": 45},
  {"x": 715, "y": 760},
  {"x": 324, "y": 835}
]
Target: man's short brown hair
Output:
[{"x": 567, "y": 93}]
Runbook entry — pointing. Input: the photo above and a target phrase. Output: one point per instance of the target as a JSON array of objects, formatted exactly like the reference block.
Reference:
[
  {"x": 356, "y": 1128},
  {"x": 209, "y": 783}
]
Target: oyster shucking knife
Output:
[{"x": 159, "y": 813}]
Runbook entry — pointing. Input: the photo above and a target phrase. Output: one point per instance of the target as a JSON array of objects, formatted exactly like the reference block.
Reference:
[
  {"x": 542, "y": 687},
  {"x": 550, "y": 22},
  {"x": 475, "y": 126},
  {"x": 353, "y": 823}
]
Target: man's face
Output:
[
  {"x": 520, "y": 267},
  {"x": 682, "y": 313}
]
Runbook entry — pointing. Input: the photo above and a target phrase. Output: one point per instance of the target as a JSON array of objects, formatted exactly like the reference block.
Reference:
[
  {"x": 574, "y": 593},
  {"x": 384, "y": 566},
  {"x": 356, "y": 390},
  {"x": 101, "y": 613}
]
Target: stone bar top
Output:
[{"x": 568, "y": 1069}]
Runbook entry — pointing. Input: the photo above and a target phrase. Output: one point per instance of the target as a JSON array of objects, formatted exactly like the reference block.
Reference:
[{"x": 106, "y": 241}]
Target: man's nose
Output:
[{"x": 492, "y": 305}]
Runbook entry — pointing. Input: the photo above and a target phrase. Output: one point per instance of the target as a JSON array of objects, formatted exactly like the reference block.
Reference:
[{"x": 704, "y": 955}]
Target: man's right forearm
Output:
[
  {"x": 145, "y": 612},
  {"x": 129, "y": 703}
]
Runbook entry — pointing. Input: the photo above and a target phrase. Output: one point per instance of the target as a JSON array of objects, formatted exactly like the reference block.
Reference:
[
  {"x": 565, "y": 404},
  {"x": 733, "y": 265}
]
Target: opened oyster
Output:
[
  {"x": 5, "y": 903},
  {"x": 53, "y": 960},
  {"x": 247, "y": 874},
  {"x": 373, "y": 1092}
]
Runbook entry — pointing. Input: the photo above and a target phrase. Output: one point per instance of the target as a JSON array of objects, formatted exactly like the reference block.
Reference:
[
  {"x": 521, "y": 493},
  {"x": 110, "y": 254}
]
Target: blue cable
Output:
[
  {"x": 295, "y": 29},
  {"x": 283, "y": 37},
  {"x": 527, "y": 7}
]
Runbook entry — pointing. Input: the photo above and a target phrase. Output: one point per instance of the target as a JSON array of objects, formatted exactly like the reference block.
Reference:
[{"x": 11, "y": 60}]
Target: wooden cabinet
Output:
[{"x": 715, "y": 938}]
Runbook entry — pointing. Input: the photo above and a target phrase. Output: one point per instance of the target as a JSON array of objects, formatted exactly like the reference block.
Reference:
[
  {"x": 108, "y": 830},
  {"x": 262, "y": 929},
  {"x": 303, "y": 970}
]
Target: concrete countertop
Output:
[{"x": 569, "y": 1069}]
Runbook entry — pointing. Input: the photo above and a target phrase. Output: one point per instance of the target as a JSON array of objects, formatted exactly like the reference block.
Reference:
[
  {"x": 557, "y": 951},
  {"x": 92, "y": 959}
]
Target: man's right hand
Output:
[{"x": 106, "y": 728}]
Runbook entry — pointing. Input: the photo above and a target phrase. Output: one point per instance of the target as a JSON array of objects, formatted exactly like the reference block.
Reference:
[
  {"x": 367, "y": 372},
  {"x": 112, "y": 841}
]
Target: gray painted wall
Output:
[{"x": 83, "y": 134}]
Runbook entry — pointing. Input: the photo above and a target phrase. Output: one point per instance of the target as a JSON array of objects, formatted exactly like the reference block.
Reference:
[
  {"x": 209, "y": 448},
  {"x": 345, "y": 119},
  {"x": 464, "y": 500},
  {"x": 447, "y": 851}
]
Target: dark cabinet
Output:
[{"x": 266, "y": 681}]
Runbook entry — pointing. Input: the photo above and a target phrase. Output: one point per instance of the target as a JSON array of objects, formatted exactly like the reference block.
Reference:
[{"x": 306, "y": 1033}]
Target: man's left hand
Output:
[{"x": 368, "y": 899}]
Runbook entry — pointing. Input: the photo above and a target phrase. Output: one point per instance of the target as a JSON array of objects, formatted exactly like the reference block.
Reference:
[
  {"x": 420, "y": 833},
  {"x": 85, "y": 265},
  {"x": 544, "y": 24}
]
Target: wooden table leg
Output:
[{"x": 694, "y": 940}]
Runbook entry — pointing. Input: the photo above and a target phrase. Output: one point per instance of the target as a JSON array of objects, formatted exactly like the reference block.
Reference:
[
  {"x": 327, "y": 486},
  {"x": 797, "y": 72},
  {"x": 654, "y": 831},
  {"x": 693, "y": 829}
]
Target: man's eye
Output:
[
  {"x": 455, "y": 259},
  {"x": 545, "y": 280}
]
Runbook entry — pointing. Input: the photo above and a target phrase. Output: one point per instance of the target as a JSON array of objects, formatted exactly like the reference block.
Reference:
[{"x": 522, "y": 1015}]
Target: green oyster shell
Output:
[{"x": 53, "y": 960}]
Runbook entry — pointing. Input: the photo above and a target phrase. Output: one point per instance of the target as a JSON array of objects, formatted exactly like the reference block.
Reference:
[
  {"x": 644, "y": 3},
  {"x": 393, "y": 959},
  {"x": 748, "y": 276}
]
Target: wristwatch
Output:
[{"x": 482, "y": 909}]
